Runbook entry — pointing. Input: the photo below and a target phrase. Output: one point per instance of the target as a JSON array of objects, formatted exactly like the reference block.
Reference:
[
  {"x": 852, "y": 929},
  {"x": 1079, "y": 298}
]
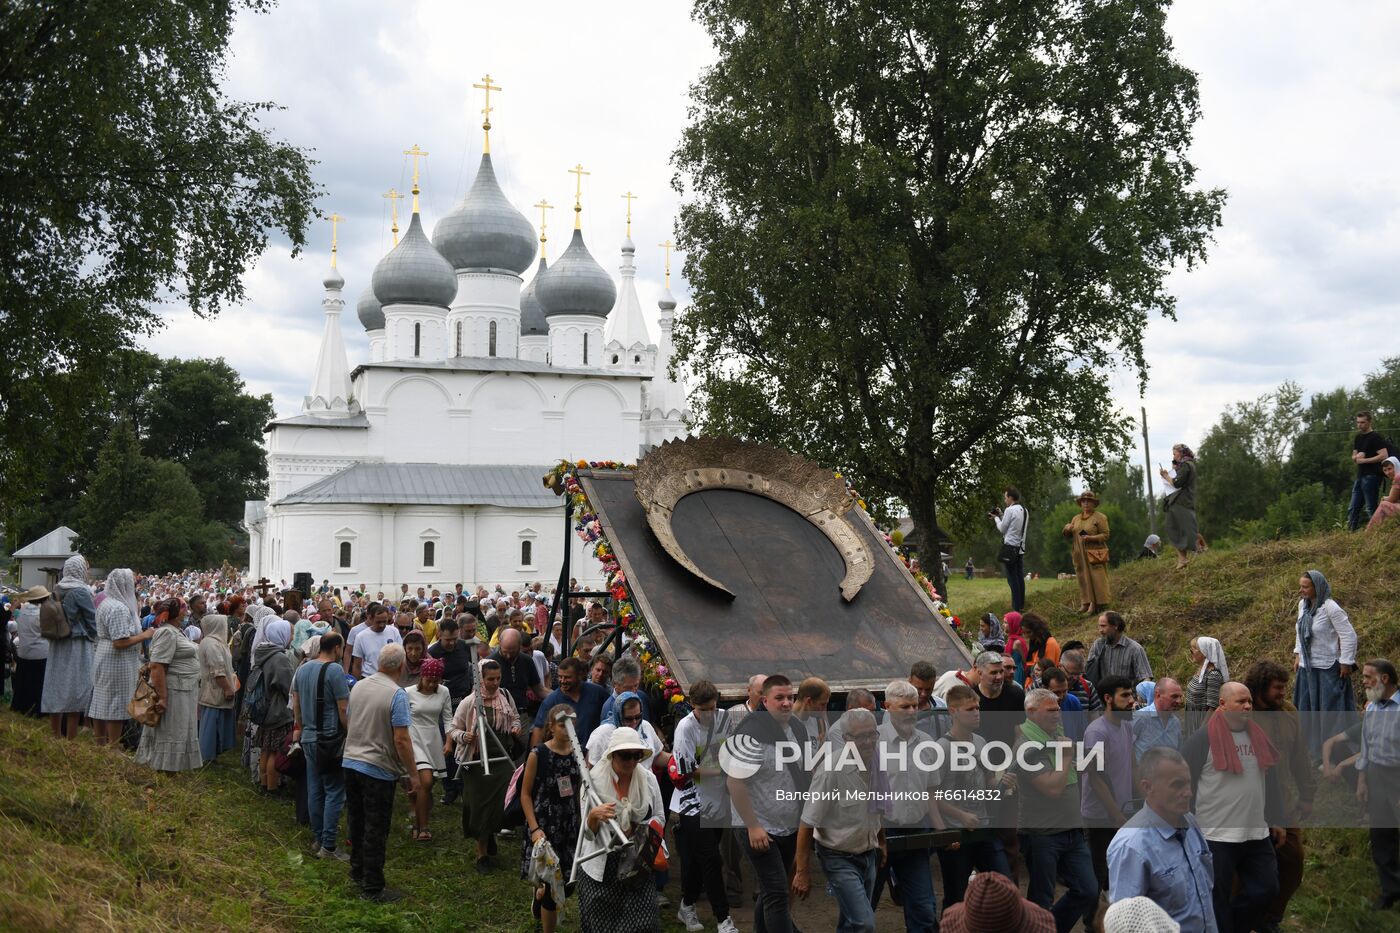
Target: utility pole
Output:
[{"x": 1151, "y": 496}]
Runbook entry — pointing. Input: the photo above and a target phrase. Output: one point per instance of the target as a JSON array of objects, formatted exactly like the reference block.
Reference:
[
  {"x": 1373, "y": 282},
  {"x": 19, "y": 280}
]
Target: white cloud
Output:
[{"x": 1301, "y": 124}]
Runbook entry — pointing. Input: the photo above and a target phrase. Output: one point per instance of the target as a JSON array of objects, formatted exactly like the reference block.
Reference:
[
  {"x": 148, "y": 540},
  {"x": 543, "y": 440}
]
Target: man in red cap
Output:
[{"x": 994, "y": 905}]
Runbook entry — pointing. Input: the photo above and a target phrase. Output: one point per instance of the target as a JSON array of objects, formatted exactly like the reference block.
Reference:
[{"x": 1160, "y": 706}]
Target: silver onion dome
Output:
[
  {"x": 532, "y": 322},
  {"x": 485, "y": 231},
  {"x": 576, "y": 284},
  {"x": 414, "y": 273}
]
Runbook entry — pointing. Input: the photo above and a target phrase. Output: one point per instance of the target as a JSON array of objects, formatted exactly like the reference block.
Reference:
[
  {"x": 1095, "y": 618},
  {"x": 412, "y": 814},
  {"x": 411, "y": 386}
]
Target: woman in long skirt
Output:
[
  {"x": 1088, "y": 544},
  {"x": 173, "y": 743},
  {"x": 1324, "y": 657},
  {"x": 1181, "y": 503},
  {"x": 218, "y": 685},
  {"x": 117, "y": 664},
  {"x": 483, "y": 795},
  {"x": 68, "y": 677}
]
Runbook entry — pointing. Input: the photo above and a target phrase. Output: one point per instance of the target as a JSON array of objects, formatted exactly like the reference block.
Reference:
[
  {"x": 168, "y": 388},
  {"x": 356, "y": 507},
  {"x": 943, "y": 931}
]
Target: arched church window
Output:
[
  {"x": 345, "y": 554},
  {"x": 526, "y": 553},
  {"x": 429, "y": 548},
  {"x": 585, "y": 349},
  {"x": 491, "y": 340},
  {"x": 637, "y": 358},
  {"x": 417, "y": 339},
  {"x": 458, "y": 351},
  {"x": 614, "y": 359}
]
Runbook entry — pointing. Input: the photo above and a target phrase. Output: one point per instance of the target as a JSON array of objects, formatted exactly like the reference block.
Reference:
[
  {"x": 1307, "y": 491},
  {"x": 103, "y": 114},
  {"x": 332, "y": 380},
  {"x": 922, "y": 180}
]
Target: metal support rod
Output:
[
  {"x": 589, "y": 798},
  {"x": 561, "y": 591},
  {"x": 1151, "y": 496}
]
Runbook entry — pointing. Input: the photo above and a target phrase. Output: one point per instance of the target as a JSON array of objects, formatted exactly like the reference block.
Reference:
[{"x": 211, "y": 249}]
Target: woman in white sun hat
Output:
[{"x": 615, "y": 892}]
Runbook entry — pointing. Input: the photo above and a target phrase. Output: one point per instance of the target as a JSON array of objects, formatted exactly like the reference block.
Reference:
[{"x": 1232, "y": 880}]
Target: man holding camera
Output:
[{"x": 1011, "y": 523}]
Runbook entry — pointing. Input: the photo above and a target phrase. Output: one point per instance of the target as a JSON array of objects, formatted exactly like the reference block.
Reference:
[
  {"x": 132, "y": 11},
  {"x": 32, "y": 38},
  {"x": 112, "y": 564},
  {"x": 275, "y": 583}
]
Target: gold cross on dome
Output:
[
  {"x": 629, "y": 197},
  {"x": 415, "y": 153},
  {"x": 488, "y": 87},
  {"x": 394, "y": 198},
  {"x": 335, "y": 220},
  {"x": 578, "y": 173},
  {"x": 667, "y": 246},
  {"x": 543, "y": 206}
]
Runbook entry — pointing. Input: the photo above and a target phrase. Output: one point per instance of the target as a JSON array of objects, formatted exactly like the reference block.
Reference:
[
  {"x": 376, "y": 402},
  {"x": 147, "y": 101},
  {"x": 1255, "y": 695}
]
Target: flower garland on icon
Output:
[{"x": 586, "y": 525}]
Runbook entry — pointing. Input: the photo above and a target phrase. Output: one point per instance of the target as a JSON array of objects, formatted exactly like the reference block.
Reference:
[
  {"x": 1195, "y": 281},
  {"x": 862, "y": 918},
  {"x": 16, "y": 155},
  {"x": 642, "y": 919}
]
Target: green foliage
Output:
[
  {"x": 1303, "y": 511},
  {"x": 1242, "y": 460},
  {"x": 145, "y": 513},
  {"x": 126, "y": 179},
  {"x": 921, "y": 236},
  {"x": 1321, "y": 452},
  {"x": 200, "y": 416}
]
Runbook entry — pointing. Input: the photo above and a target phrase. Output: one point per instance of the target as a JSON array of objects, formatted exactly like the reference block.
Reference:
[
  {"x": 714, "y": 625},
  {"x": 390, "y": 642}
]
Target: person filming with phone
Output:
[{"x": 1011, "y": 523}]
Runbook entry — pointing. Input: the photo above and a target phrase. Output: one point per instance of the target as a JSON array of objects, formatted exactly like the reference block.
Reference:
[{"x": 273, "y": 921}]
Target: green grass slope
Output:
[{"x": 1248, "y": 598}]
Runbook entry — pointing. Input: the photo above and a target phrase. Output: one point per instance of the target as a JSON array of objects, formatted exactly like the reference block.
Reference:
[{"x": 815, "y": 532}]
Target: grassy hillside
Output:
[
  {"x": 1247, "y": 597},
  {"x": 93, "y": 841}
]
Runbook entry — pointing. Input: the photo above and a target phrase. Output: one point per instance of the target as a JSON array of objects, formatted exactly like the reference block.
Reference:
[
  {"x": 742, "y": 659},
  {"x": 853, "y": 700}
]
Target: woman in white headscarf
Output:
[
  {"x": 1390, "y": 505},
  {"x": 218, "y": 685},
  {"x": 117, "y": 661},
  {"x": 1203, "y": 690},
  {"x": 616, "y": 895},
  {"x": 68, "y": 677}
]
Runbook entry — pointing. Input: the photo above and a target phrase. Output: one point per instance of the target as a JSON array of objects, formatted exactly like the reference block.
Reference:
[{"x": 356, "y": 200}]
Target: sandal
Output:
[{"x": 425, "y": 835}]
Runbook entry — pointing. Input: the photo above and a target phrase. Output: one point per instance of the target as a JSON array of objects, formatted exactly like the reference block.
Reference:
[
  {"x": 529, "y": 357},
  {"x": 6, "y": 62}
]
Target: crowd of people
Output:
[{"x": 347, "y": 702}]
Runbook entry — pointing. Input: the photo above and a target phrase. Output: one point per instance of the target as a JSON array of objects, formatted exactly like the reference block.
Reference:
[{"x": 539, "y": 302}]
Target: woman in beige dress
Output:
[{"x": 1088, "y": 543}]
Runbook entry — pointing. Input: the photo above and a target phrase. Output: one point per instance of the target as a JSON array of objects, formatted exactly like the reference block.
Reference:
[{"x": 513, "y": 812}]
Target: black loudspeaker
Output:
[{"x": 303, "y": 583}]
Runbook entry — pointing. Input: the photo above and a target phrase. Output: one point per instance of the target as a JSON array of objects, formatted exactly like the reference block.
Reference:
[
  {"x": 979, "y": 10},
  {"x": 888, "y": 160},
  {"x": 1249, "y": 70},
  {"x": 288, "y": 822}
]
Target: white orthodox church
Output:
[{"x": 424, "y": 464}]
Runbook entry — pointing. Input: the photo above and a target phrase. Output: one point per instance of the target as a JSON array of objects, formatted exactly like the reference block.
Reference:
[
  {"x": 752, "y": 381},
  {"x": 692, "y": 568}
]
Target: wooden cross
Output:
[
  {"x": 543, "y": 206},
  {"x": 578, "y": 173},
  {"x": 416, "y": 154},
  {"x": 629, "y": 197},
  {"x": 488, "y": 87},
  {"x": 394, "y": 198},
  {"x": 667, "y": 246},
  {"x": 335, "y": 220}
]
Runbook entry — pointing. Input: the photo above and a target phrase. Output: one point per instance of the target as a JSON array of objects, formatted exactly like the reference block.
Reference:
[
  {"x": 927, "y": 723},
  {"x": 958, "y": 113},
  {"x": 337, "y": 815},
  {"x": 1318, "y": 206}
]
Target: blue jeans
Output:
[
  {"x": 1256, "y": 867},
  {"x": 980, "y": 850},
  {"x": 1016, "y": 580},
  {"x": 914, "y": 876},
  {"x": 325, "y": 798},
  {"x": 1063, "y": 855},
  {"x": 1366, "y": 490},
  {"x": 851, "y": 879}
]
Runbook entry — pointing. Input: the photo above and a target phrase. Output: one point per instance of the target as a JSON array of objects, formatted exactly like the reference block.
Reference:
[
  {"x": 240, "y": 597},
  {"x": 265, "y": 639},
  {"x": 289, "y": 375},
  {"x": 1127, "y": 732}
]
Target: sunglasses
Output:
[
  {"x": 631, "y": 718},
  {"x": 630, "y": 756}
]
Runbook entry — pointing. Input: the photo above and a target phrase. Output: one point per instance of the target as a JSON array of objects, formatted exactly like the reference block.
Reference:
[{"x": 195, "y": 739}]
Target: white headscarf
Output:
[
  {"x": 632, "y": 809},
  {"x": 121, "y": 586},
  {"x": 1215, "y": 654},
  {"x": 75, "y": 571},
  {"x": 1394, "y": 465},
  {"x": 260, "y": 615},
  {"x": 1138, "y": 915}
]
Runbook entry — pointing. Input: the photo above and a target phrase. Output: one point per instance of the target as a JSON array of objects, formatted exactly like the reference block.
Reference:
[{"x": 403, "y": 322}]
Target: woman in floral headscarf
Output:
[
  {"x": 68, "y": 678},
  {"x": 117, "y": 662}
]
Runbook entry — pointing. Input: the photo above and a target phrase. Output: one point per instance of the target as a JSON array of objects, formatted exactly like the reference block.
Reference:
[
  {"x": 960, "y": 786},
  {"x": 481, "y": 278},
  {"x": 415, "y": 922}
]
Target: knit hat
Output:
[
  {"x": 1138, "y": 915},
  {"x": 993, "y": 904}
]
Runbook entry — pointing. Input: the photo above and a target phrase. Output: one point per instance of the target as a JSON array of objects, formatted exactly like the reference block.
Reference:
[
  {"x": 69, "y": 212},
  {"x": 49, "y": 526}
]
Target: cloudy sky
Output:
[{"x": 1301, "y": 125}]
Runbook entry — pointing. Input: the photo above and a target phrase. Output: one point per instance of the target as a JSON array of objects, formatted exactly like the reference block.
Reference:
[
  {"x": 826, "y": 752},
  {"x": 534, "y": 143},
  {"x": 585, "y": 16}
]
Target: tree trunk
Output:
[{"x": 923, "y": 509}]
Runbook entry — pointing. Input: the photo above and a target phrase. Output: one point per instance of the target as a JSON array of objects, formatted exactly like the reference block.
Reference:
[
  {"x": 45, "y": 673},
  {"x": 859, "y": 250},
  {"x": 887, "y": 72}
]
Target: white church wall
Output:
[
  {"x": 471, "y": 544},
  {"x": 507, "y": 421},
  {"x": 597, "y": 415},
  {"x": 299, "y": 456},
  {"x": 484, "y": 298},
  {"x": 411, "y": 421}
]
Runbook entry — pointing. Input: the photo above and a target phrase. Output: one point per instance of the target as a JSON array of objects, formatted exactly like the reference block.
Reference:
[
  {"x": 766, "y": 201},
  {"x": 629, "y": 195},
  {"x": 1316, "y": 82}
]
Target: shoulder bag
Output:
[
  {"x": 330, "y": 750},
  {"x": 1010, "y": 552},
  {"x": 142, "y": 704}
]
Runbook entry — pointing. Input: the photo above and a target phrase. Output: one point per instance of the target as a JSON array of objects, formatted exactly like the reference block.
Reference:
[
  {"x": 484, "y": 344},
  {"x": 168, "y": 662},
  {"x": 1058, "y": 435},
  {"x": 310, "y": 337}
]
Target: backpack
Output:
[
  {"x": 53, "y": 621},
  {"x": 257, "y": 701}
]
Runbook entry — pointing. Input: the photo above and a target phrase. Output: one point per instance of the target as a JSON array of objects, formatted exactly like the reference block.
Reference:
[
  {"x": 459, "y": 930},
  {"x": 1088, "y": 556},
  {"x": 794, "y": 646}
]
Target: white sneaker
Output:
[
  {"x": 688, "y": 916},
  {"x": 728, "y": 926}
]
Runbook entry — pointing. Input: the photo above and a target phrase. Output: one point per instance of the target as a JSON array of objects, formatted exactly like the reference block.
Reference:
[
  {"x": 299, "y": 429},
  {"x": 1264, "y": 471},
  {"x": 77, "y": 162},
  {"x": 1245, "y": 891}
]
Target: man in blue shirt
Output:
[
  {"x": 378, "y": 752},
  {"x": 576, "y": 690},
  {"x": 1159, "y": 723},
  {"x": 1160, "y": 853},
  {"x": 1379, "y": 783},
  {"x": 325, "y": 788}
]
